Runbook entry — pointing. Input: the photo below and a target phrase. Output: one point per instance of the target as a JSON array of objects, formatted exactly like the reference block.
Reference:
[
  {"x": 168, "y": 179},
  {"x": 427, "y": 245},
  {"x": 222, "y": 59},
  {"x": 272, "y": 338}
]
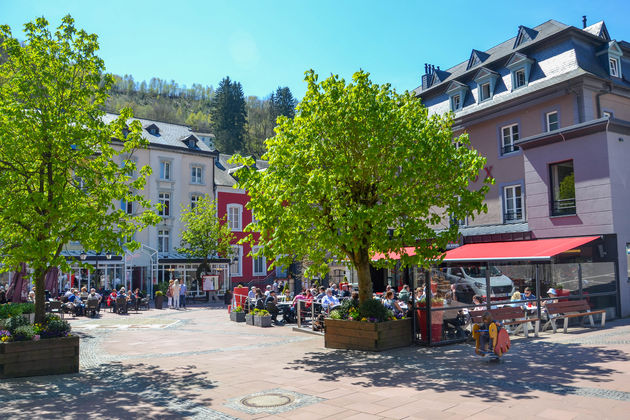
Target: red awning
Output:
[
  {"x": 410, "y": 250},
  {"x": 539, "y": 249}
]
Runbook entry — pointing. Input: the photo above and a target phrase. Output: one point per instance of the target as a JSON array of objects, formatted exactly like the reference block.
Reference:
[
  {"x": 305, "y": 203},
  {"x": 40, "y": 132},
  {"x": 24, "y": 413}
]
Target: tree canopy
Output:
[
  {"x": 229, "y": 116},
  {"x": 361, "y": 169},
  {"x": 60, "y": 176},
  {"x": 204, "y": 235}
]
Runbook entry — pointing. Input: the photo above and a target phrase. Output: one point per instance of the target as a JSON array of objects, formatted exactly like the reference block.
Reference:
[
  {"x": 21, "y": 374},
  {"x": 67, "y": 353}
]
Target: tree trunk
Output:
[
  {"x": 362, "y": 264},
  {"x": 40, "y": 295}
]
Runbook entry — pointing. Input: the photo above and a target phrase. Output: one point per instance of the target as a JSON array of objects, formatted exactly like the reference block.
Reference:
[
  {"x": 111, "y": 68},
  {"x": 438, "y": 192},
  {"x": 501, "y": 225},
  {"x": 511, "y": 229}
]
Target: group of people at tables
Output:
[
  {"x": 282, "y": 303},
  {"x": 75, "y": 300}
]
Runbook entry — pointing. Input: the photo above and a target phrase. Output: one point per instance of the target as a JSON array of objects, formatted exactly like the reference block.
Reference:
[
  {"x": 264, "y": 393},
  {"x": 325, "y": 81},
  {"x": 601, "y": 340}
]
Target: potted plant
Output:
[
  {"x": 262, "y": 318},
  {"x": 159, "y": 299},
  {"x": 237, "y": 314},
  {"x": 370, "y": 326}
]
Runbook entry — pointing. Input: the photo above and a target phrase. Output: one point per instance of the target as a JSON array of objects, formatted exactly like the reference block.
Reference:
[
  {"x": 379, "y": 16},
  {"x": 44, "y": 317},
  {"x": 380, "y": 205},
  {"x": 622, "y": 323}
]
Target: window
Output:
[
  {"x": 165, "y": 170},
  {"x": 165, "y": 200},
  {"x": 562, "y": 188},
  {"x": 237, "y": 261},
  {"x": 519, "y": 78},
  {"x": 260, "y": 263},
  {"x": 509, "y": 135},
  {"x": 194, "y": 199},
  {"x": 126, "y": 206},
  {"x": 513, "y": 203},
  {"x": 196, "y": 175},
  {"x": 552, "y": 121},
  {"x": 455, "y": 221},
  {"x": 485, "y": 91},
  {"x": 614, "y": 66},
  {"x": 456, "y": 103},
  {"x": 163, "y": 240},
  {"x": 234, "y": 212}
]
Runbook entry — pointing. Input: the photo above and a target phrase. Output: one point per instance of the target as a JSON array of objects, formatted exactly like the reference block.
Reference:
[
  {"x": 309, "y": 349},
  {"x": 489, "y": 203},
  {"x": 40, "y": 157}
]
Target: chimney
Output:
[
  {"x": 426, "y": 77},
  {"x": 583, "y": 21}
]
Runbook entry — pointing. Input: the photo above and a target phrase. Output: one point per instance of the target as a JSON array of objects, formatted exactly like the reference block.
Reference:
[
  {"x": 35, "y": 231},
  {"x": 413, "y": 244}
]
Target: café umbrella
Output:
[{"x": 17, "y": 288}]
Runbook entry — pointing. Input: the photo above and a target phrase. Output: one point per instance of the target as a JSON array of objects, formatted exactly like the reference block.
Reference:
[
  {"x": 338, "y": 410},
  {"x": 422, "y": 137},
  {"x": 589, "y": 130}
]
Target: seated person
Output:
[
  {"x": 528, "y": 295},
  {"x": 321, "y": 294},
  {"x": 251, "y": 295},
  {"x": 79, "y": 306},
  {"x": 553, "y": 295},
  {"x": 329, "y": 300},
  {"x": 111, "y": 299},
  {"x": 478, "y": 301},
  {"x": 345, "y": 291},
  {"x": 490, "y": 337},
  {"x": 267, "y": 290},
  {"x": 271, "y": 306},
  {"x": 516, "y": 296},
  {"x": 404, "y": 294},
  {"x": 334, "y": 289},
  {"x": 31, "y": 297},
  {"x": 391, "y": 303},
  {"x": 260, "y": 299}
]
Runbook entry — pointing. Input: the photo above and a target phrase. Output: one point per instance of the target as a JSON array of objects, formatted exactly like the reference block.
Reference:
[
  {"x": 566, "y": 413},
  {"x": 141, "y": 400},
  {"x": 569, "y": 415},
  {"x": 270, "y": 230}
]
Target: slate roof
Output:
[
  {"x": 223, "y": 169},
  {"x": 504, "y": 50},
  {"x": 170, "y": 135}
]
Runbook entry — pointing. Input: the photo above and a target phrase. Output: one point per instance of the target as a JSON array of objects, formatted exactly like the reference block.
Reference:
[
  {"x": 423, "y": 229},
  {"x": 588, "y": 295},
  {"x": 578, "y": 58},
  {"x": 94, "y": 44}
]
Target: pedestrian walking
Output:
[
  {"x": 169, "y": 293},
  {"x": 176, "y": 288},
  {"x": 182, "y": 294}
]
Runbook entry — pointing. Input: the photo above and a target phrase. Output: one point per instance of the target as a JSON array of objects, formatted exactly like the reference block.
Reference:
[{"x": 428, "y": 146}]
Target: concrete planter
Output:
[
  {"x": 237, "y": 316},
  {"x": 262, "y": 321},
  {"x": 158, "y": 302},
  {"x": 370, "y": 336},
  {"x": 249, "y": 319},
  {"x": 52, "y": 356}
]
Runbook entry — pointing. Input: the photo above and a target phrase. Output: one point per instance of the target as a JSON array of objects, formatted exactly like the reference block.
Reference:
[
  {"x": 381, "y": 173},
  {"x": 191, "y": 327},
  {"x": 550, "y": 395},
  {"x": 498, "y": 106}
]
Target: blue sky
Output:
[{"x": 266, "y": 44}]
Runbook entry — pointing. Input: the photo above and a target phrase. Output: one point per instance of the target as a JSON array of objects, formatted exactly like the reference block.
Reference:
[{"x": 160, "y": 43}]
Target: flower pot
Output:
[
  {"x": 262, "y": 321},
  {"x": 237, "y": 316},
  {"x": 249, "y": 319},
  {"x": 159, "y": 302},
  {"x": 52, "y": 356}
]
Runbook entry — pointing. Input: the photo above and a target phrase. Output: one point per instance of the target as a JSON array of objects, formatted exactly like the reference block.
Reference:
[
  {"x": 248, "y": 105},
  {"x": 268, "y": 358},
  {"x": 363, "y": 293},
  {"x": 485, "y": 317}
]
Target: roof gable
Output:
[
  {"x": 598, "y": 29},
  {"x": 455, "y": 86},
  {"x": 484, "y": 73},
  {"x": 439, "y": 76},
  {"x": 190, "y": 141},
  {"x": 476, "y": 57},
  {"x": 516, "y": 59},
  {"x": 524, "y": 35},
  {"x": 152, "y": 129}
]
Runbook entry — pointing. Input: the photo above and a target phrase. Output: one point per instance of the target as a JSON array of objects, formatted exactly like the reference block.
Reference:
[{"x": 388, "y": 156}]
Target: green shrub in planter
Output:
[
  {"x": 27, "y": 308},
  {"x": 24, "y": 333},
  {"x": 10, "y": 310},
  {"x": 15, "y": 322},
  {"x": 373, "y": 310},
  {"x": 55, "y": 328}
]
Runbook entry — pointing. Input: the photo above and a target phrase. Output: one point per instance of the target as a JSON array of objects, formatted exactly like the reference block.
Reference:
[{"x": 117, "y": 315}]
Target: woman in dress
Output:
[{"x": 175, "y": 292}]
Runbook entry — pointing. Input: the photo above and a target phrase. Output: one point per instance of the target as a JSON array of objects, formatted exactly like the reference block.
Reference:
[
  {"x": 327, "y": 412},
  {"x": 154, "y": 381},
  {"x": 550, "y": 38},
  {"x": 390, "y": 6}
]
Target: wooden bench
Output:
[
  {"x": 509, "y": 315},
  {"x": 571, "y": 309}
]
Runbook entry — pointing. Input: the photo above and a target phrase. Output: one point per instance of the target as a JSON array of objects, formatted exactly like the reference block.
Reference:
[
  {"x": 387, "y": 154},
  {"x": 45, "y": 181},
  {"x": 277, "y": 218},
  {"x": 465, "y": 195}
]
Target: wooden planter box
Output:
[
  {"x": 237, "y": 316},
  {"x": 50, "y": 356},
  {"x": 262, "y": 321},
  {"x": 249, "y": 319},
  {"x": 370, "y": 336}
]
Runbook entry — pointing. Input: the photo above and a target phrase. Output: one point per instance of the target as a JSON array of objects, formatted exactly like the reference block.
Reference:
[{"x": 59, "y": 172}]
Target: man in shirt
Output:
[
  {"x": 404, "y": 294},
  {"x": 267, "y": 290},
  {"x": 329, "y": 300},
  {"x": 528, "y": 295},
  {"x": 271, "y": 306}
]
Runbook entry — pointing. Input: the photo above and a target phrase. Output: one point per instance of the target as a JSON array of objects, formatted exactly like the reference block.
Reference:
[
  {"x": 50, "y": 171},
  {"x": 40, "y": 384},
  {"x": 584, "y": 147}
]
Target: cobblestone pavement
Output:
[{"x": 196, "y": 364}]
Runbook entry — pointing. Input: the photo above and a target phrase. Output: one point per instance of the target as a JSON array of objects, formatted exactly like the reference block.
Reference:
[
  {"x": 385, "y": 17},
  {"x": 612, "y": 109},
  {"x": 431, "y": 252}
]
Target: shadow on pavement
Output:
[
  {"x": 114, "y": 390},
  {"x": 531, "y": 365}
]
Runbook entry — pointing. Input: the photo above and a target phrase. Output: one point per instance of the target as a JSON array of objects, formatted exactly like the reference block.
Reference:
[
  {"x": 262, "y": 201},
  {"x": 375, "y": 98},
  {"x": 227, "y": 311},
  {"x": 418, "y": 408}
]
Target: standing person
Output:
[
  {"x": 169, "y": 293},
  {"x": 182, "y": 294},
  {"x": 176, "y": 289}
]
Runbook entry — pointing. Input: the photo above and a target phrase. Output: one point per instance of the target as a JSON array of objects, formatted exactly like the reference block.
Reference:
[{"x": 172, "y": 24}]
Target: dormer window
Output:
[
  {"x": 520, "y": 67},
  {"x": 614, "y": 66},
  {"x": 457, "y": 94},
  {"x": 610, "y": 55},
  {"x": 153, "y": 129},
  {"x": 486, "y": 83}
]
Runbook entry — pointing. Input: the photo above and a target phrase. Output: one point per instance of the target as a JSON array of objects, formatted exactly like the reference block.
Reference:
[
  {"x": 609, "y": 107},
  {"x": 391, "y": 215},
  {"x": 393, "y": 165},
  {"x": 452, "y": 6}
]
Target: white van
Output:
[{"x": 471, "y": 280}]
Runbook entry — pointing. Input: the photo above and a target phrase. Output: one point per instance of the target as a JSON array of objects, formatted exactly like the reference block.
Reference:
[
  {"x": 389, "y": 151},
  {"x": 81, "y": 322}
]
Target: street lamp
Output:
[{"x": 83, "y": 256}]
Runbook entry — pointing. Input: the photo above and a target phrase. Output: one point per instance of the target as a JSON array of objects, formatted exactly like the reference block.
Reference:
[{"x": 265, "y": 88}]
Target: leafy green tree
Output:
[
  {"x": 361, "y": 169},
  {"x": 204, "y": 235},
  {"x": 229, "y": 116},
  {"x": 60, "y": 173}
]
